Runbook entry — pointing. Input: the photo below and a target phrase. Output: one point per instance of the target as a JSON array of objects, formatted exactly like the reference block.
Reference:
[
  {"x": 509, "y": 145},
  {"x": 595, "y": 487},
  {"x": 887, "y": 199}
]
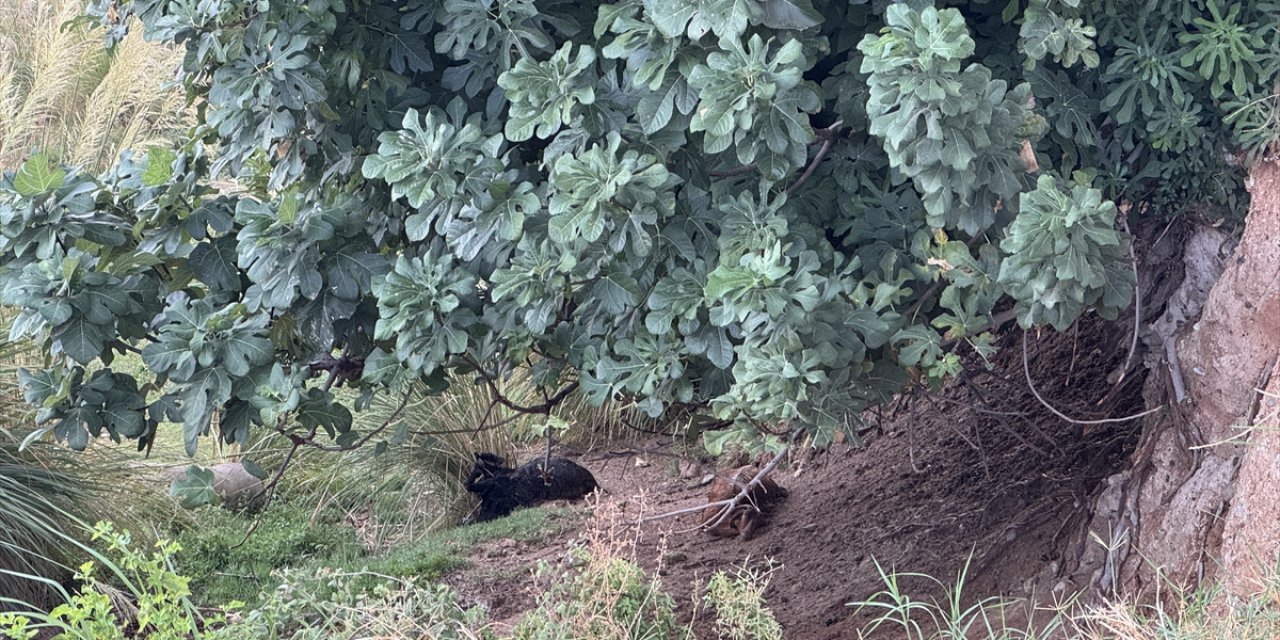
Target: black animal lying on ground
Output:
[{"x": 503, "y": 489}]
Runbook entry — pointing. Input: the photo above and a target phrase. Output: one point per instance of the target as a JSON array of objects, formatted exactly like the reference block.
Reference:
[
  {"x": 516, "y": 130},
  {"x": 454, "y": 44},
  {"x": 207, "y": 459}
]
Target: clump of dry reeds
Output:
[{"x": 63, "y": 93}]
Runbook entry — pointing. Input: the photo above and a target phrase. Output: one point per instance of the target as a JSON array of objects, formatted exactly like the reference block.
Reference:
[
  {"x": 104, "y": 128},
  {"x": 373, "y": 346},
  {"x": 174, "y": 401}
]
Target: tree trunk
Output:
[{"x": 1201, "y": 500}]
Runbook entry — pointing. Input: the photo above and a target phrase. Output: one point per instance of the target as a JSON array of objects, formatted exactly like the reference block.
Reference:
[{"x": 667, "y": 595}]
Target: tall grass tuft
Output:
[
  {"x": 36, "y": 501},
  {"x": 439, "y": 435},
  {"x": 63, "y": 93},
  {"x": 1209, "y": 613},
  {"x": 897, "y": 613},
  {"x": 48, "y": 493}
]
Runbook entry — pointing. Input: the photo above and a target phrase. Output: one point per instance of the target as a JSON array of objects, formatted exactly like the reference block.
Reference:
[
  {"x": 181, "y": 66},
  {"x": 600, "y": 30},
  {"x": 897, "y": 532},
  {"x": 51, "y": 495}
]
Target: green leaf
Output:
[
  {"x": 80, "y": 339},
  {"x": 159, "y": 166},
  {"x": 320, "y": 411},
  {"x": 244, "y": 351},
  {"x": 790, "y": 14},
  {"x": 254, "y": 469},
  {"x": 214, "y": 263},
  {"x": 717, "y": 441},
  {"x": 195, "y": 489},
  {"x": 617, "y": 293},
  {"x": 546, "y": 95},
  {"x": 38, "y": 175}
]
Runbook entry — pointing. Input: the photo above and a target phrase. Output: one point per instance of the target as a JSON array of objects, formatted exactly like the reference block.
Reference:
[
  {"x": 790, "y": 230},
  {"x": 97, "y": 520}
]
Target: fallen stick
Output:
[{"x": 727, "y": 505}]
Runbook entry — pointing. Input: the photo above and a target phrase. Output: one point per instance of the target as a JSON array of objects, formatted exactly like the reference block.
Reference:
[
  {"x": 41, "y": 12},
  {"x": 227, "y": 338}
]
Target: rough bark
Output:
[{"x": 1202, "y": 497}]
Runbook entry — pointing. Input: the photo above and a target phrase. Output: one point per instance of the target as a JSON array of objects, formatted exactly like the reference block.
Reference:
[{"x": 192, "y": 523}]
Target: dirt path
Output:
[{"x": 979, "y": 470}]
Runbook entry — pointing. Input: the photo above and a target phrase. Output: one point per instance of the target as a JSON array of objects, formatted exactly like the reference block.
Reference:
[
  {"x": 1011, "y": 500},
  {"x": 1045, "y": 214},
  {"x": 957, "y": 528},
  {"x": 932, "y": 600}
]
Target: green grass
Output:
[
  {"x": 225, "y": 566},
  {"x": 435, "y": 555},
  {"x": 296, "y": 536},
  {"x": 1208, "y": 613}
]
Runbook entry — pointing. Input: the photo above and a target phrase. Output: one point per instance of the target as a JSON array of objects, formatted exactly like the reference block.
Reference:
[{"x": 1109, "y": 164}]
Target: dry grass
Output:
[
  {"x": 600, "y": 592},
  {"x": 63, "y": 93},
  {"x": 1209, "y": 613}
]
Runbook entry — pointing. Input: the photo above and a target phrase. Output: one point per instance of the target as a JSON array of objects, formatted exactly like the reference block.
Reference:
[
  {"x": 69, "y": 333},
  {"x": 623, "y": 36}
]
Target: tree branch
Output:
[
  {"x": 346, "y": 368},
  {"x": 368, "y": 436},
  {"x": 1026, "y": 370},
  {"x": 727, "y": 505},
  {"x": 736, "y": 171},
  {"x": 269, "y": 490},
  {"x": 1137, "y": 300},
  {"x": 813, "y": 165},
  {"x": 540, "y": 409},
  {"x": 826, "y": 135}
]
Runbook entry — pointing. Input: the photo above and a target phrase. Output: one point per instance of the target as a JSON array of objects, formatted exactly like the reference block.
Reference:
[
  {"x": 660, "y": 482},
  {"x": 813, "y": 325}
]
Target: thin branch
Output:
[
  {"x": 483, "y": 426},
  {"x": 124, "y": 346},
  {"x": 736, "y": 171},
  {"x": 344, "y": 368},
  {"x": 269, "y": 490},
  {"x": 328, "y": 382},
  {"x": 1137, "y": 300},
  {"x": 727, "y": 505},
  {"x": 541, "y": 409},
  {"x": 368, "y": 436},
  {"x": 813, "y": 166},
  {"x": 488, "y": 413},
  {"x": 688, "y": 510},
  {"x": 1026, "y": 370},
  {"x": 826, "y": 135},
  {"x": 1021, "y": 415}
]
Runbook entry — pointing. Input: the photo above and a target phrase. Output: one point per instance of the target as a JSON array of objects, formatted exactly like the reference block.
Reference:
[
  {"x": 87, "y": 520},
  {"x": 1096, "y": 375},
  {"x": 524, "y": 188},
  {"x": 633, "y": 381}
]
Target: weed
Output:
[
  {"x": 950, "y": 619},
  {"x": 1209, "y": 613},
  {"x": 47, "y": 494},
  {"x": 602, "y": 594},
  {"x": 225, "y": 566},
  {"x": 739, "y": 604},
  {"x": 333, "y": 604},
  {"x": 158, "y": 602}
]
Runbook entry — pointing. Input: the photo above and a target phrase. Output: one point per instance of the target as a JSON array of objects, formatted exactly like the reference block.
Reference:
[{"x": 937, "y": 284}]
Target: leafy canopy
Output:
[{"x": 768, "y": 211}]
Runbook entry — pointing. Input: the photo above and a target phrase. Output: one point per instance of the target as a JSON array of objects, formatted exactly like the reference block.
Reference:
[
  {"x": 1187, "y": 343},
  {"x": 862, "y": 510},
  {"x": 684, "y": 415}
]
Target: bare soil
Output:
[{"x": 979, "y": 469}]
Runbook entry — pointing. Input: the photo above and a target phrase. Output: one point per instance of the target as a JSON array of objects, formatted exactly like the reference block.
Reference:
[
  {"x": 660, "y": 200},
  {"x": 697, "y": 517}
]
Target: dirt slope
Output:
[{"x": 980, "y": 468}]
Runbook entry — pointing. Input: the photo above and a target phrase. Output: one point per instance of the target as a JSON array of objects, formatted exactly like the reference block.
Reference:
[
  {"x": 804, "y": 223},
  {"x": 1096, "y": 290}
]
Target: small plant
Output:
[
  {"x": 224, "y": 566},
  {"x": 159, "y": 598},
  {"x": 603, "y": 594},
  {"x": 334, "y": 604},
  {"x": 950, "y": 619},
  {"x": 606, "y": 598},
  {"x": 739, "y": 604},
  {"x": 1208, "y": 613}
]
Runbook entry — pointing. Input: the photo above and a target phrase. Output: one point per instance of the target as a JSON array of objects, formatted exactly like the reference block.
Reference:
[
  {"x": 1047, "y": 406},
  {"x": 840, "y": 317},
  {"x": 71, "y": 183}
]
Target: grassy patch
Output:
[
  {"x": 224, "y": 566},
  {"x": 605, "y": 595},
  {"x": 307, "y": 541},
  {"x": 1208, "y": 613},
  {"x": 435, "y": 555}
]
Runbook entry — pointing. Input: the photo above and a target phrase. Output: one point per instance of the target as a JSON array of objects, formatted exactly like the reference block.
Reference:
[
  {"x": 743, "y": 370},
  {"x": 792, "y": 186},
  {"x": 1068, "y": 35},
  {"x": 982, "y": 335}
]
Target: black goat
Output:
[{"x": 503, "y": 489}]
